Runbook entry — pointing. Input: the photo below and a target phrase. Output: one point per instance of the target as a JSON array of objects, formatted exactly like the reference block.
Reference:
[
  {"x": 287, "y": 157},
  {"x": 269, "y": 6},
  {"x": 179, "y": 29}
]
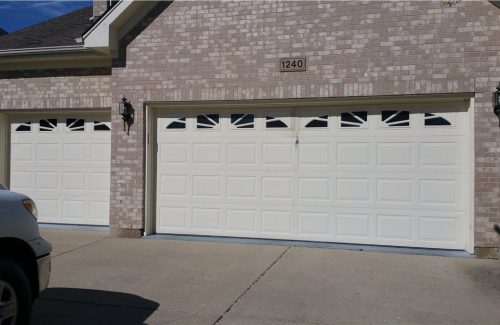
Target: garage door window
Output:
[
  {"x": 275, "y": 123},
  {"x": 434, "y": 120},
  {"x": 24, "y": 127},
  {"x": 318, "y": 122},
  {"x": 75, "y": 124},
  {"x": 354, "y": 119},
  {"x": 395, "y": 118},
  {"x": 179, "y": 123},
  {"x": 100, "y": 126},
  {"x": 48, "y": 125},
  {"x": 207, "y": 121},
  {"x": 242, "y": 121}
]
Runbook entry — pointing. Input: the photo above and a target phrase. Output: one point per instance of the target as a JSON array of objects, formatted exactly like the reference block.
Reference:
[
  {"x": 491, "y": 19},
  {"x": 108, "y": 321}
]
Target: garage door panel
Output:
[
  {"x": 367, "y": 176},
  {"x": 68, "y": 166}
]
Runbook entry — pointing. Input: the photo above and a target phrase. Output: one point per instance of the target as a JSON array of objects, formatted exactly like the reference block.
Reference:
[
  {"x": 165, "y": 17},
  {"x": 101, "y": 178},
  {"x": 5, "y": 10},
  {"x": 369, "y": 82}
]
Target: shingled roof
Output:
[
  {"x": 2, "y": 32},
  {"x": 59, "y": 31}
]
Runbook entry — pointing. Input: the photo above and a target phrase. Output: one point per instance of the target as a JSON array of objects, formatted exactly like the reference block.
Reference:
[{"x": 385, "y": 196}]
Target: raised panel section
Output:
[
  {"x": 99, "y": 210},
  {"x": 74, "y": 152},
  {"x": 74, "y": 181},
  {"x": 47, "y": 152},
  {"x": 174, "y": 153},
  {"x": 47, "y": 208},
  {"x": 438, "y": 229},
  {"x": 394, "y": 154},
  {"x": 277, "y": 187},
  {"x": 47, "y": 180},
  {"x": 22, "y": 152},
  {"x": 353, "y": 189},
  {"x": 438, "y": 154},
  {"x": 277, "y": 154},
  {"x": 315, "y": 154},
  {"x": 240, "y": 220},
  {"x": 314, "y": 223},
  {"x": 21, "y": 180},
  {"x": 353, "y": 154},
  {"x": 353, "y": 225},
  {"x": 394, "y": 190},
  {"x": 172, "y": 217},
  {"x": 314, "y": 188},
  {"x": 276, "y": 221},
  {"x": 208, "y": 153},
  {"x": 206, "y": 185},
  {"x": 436, "y": 191},
  {"x": 241, "y": 153},
  {"x": 240, "y": 187},
  {"x": 394, "y": 227},
  {"x": 99, "y": 181},
  {"x": 173, "y": 185},
  {"x": 206, "y": 218},
  {"x": 100, "y": 152},
  {"x": 73, "y": 209}
]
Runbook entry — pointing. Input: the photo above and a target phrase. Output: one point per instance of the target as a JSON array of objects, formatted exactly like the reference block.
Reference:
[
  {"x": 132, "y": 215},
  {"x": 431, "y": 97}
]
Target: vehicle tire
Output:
[{"x": 15, "y": 298}]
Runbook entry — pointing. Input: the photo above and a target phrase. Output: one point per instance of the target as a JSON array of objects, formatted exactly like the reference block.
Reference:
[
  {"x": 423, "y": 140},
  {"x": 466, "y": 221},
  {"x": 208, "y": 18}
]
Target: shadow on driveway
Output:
[{"x": 84, "y": 306}]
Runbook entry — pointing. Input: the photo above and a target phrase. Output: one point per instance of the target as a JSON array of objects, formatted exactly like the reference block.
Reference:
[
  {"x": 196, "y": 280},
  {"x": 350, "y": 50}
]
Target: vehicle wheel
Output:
[{"x": 15, "y": 294}]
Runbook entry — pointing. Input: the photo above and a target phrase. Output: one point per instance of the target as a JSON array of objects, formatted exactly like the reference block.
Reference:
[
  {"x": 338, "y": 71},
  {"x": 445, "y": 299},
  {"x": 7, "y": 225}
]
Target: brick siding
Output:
[
  {"x": 55, "y": 89},
  {"x": 191, "y": 51}
]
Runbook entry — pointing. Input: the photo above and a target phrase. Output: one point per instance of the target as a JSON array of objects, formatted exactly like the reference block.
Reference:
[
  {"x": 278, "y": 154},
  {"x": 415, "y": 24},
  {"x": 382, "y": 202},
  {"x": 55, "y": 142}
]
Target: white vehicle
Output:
[{"x": 24, "y": 258}]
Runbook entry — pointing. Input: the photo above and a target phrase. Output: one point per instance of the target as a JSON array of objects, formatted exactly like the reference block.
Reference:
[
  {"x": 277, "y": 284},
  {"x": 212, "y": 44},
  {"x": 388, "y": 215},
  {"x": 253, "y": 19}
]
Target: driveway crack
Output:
[
  {"x": 251, "y": 285},
  {"x": 85, "y": 245}
]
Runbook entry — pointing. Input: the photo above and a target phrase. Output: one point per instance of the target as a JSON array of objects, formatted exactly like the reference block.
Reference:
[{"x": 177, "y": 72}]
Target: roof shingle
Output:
[{"x": 59, "y": 31}]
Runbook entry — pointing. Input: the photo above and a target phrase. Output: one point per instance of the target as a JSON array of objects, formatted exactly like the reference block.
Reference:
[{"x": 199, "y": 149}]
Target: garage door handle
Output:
[{"x": 296, "y": 140}]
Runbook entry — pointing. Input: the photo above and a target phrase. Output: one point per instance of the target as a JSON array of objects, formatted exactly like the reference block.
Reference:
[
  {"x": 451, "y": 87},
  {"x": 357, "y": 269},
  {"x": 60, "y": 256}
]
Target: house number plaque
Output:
[{"x": 292, "y": 64}]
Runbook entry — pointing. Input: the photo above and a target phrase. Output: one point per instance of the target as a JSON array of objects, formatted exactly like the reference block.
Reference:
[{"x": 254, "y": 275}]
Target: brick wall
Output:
[
  {"x": 55, "y": 89},
  {"x": 189, "y": 51}
]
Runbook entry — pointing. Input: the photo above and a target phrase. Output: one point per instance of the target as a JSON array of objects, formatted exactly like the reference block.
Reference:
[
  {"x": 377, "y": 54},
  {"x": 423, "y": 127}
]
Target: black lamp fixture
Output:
[
  {"x": 126, "y": 110},
  {"x": 496, "y": 103}
]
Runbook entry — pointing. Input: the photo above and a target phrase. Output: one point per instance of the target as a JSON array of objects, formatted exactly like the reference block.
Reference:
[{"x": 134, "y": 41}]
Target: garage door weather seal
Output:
[{"x": 297, "y": 243}]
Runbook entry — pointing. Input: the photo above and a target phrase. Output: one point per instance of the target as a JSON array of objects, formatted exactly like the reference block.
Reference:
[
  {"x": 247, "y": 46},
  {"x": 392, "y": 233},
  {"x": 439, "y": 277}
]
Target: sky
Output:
[{"x": 18, "y": 14}]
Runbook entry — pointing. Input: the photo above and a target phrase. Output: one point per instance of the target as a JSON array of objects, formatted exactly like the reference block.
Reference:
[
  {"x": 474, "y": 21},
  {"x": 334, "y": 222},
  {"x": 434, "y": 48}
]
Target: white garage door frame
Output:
[
  {"x": 12, "y": 116},
  {"x": 464, "y": 101}
]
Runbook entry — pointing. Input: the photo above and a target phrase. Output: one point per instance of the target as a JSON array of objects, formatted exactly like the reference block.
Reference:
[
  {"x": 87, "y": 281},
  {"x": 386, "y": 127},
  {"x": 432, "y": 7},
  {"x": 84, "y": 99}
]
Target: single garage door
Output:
[
  {"x": 63, "y": 163},
  {"x": 387, "y": 175}
]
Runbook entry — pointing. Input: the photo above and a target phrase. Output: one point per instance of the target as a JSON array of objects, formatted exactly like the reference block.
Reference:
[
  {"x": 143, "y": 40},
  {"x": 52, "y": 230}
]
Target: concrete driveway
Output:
[{"x": 101, "y": 280}]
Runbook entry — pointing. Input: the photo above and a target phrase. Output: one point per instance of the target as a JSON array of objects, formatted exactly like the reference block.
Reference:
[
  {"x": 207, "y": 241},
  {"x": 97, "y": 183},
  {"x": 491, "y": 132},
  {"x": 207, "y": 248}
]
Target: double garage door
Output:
[
  {"x": 371, "y": 175},
  {"x": 62, "y": 161}
]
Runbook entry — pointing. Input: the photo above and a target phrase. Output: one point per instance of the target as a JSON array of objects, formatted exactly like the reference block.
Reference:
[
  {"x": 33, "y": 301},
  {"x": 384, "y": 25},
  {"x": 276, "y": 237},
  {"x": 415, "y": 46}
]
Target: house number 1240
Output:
[{"x": 293, "y": 64}]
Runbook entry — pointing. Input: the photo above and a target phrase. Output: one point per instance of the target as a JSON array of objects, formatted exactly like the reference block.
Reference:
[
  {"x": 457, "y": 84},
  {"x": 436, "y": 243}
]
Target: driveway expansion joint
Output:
[
  {"x": 251, "y": 285},
  {"x": 76, "y": 248}
]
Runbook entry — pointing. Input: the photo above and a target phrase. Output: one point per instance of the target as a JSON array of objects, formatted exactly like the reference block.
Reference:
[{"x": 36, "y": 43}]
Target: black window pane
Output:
[
  {"x": 317, "y": 124},
  {"x": 343, "y": 125},
  {"x": 398, "y": 117},
  {"x": 239, "y": 119},
  {"x": 437, "y": 121},
  {"x": 176, "y": 125},
  {"x": 274, "y": 124},
  {"x": 75, "y": 124},
  {"x": 25, "y": 127},
  {"x": 48, "y": 125},
  {"x": 209, "y": 121},
  {"x": 100, "y": 126}
]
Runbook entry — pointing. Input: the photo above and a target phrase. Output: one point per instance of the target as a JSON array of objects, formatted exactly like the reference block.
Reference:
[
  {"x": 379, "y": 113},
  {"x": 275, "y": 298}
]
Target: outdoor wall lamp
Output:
[
  {"x": 126, "y": 110},
  {"x": 496, "y": 103}
]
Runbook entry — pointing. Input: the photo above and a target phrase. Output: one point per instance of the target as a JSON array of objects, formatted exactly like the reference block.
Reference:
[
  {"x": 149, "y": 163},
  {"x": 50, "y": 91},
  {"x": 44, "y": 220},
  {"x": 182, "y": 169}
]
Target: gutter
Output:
[{"x": 45, "y": 50}]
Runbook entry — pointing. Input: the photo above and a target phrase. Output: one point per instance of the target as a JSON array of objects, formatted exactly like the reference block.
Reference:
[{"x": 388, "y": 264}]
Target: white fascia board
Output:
[{"x": 104, "y": 35}]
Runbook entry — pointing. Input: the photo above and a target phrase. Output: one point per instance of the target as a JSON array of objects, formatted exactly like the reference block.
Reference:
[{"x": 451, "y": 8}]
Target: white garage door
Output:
[
  {"x": 377, "y": 175},
  {"x": 63, "y": 163}
]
